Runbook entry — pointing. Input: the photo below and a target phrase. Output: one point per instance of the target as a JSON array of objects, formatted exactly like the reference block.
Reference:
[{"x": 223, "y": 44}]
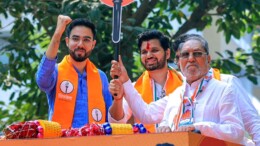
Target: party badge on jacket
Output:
[
  {"x": 96, "y": 114},
  {"x": 187, "y": 116},
  {"x": 66, "y": 88}
]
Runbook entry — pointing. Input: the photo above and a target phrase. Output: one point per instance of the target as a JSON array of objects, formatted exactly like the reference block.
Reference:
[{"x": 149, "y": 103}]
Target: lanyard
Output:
[{"x": 187, "y": 108}]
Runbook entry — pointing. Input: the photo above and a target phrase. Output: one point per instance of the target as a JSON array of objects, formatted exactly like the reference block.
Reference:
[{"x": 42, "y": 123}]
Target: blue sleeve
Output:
[
  {"x": 106, "y": 94},
  {"x": 46, "y": 75}
]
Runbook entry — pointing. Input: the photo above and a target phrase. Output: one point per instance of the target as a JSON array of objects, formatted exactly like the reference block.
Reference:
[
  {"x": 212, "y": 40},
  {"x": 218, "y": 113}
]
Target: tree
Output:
[{"x": 35, "y": 23}]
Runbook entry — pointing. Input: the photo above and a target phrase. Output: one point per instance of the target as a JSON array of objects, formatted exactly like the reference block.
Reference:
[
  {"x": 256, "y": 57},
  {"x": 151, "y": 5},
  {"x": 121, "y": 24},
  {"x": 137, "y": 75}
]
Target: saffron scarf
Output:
[
  {"x": 66, "y": 93},
  {"x": 145, "y": 87},
  {"x": 216, "y": 74}
]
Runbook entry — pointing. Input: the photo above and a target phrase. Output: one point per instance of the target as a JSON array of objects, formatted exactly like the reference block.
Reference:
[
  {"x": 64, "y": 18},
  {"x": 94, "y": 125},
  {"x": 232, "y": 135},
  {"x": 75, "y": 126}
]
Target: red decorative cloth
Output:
[
  {"x": 87, "y": 130},
  {"x": 21, "y": 130}
]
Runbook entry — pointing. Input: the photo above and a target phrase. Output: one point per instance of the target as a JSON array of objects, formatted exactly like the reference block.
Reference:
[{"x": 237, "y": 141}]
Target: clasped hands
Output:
[{"x": 116, "y": 84}]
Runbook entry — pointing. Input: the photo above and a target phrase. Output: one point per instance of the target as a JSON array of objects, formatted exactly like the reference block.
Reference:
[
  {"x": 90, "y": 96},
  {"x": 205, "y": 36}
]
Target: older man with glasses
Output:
[
  {"x": 250, "y": 116},
  {"x": 202, "y": 103}
]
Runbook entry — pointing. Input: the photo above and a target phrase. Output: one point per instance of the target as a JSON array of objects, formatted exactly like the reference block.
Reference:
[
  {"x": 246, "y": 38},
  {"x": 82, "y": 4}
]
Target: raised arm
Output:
[
  {"x": 47, "y": 74},
  {"x": 62, "y": 22}
]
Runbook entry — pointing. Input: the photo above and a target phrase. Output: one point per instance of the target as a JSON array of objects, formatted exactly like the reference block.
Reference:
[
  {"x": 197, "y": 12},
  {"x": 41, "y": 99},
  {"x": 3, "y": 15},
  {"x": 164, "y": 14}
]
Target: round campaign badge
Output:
[
  {"x": 96, "y": 114},
  {"x": 66, "y": 87}
]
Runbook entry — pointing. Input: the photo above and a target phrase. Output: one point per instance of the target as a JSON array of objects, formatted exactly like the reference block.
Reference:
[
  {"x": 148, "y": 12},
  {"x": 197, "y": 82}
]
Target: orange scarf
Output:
[
  {"x": 216, "y": 73},
  {"x": 66, "y": 93},
  {"x": 145, "y": 88}
]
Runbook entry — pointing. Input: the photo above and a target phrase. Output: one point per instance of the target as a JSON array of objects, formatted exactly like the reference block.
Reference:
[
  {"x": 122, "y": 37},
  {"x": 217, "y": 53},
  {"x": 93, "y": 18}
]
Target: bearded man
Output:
[
  {"x": 76, "y": 90},
  {"x": 157, "y": 81}
]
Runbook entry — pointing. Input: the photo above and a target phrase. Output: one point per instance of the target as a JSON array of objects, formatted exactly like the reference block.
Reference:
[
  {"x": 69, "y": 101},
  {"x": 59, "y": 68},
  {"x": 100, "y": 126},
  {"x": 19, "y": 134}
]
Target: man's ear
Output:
[
  {"x": 209, "y": 59},
  {"x": 94, "y": 44},
  {"x": 67, "y": 41}
]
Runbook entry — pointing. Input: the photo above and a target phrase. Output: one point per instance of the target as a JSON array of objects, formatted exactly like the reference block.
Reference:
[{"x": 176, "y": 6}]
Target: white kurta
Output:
[
  {"x": 216, "y": 113},
  {"x": 250, "y": 116},
  {"x": 134, "y": 104},
  {"x": 133, "y": 92},
  {"x": 154, "y": 112}
]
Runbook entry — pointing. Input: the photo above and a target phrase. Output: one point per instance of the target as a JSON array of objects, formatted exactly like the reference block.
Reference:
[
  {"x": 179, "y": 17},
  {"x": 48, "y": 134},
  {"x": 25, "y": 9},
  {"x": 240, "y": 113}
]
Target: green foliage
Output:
[
  {"x": 240, "y": 63},
  {"x": 35, "y": 21}
]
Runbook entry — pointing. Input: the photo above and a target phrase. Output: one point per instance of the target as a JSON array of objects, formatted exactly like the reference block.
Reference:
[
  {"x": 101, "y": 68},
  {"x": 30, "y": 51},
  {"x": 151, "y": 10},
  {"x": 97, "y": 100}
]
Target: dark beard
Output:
[
  {"x": 159, "y": 65},
  {"x": 79, "y": 58}
]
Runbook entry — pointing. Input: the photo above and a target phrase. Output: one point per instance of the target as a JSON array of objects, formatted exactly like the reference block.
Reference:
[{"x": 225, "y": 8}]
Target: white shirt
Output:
[
  {"x": 250, "y": 116},
  {"x": 216, "y": 114},
  {"x": 128, "y": 86},
  {"x": 154, "y": 114},
  {"x": 131, "y": 102}
]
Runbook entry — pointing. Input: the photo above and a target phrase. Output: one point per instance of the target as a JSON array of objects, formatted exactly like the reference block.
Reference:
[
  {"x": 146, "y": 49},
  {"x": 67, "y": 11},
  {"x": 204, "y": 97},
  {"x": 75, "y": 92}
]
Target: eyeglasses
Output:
[
  {"x": 185, "y": 55},
  {"x": 85, "y": 41}
]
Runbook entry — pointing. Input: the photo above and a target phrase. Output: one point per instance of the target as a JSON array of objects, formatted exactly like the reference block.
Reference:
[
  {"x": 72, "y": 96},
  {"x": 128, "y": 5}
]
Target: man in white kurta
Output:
[
  {"x": 224, "y": 121},
  {"x": 250, "y": 116},
  {"x": 216, "y": 113},
  {"x": 153, "y": 113}
]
